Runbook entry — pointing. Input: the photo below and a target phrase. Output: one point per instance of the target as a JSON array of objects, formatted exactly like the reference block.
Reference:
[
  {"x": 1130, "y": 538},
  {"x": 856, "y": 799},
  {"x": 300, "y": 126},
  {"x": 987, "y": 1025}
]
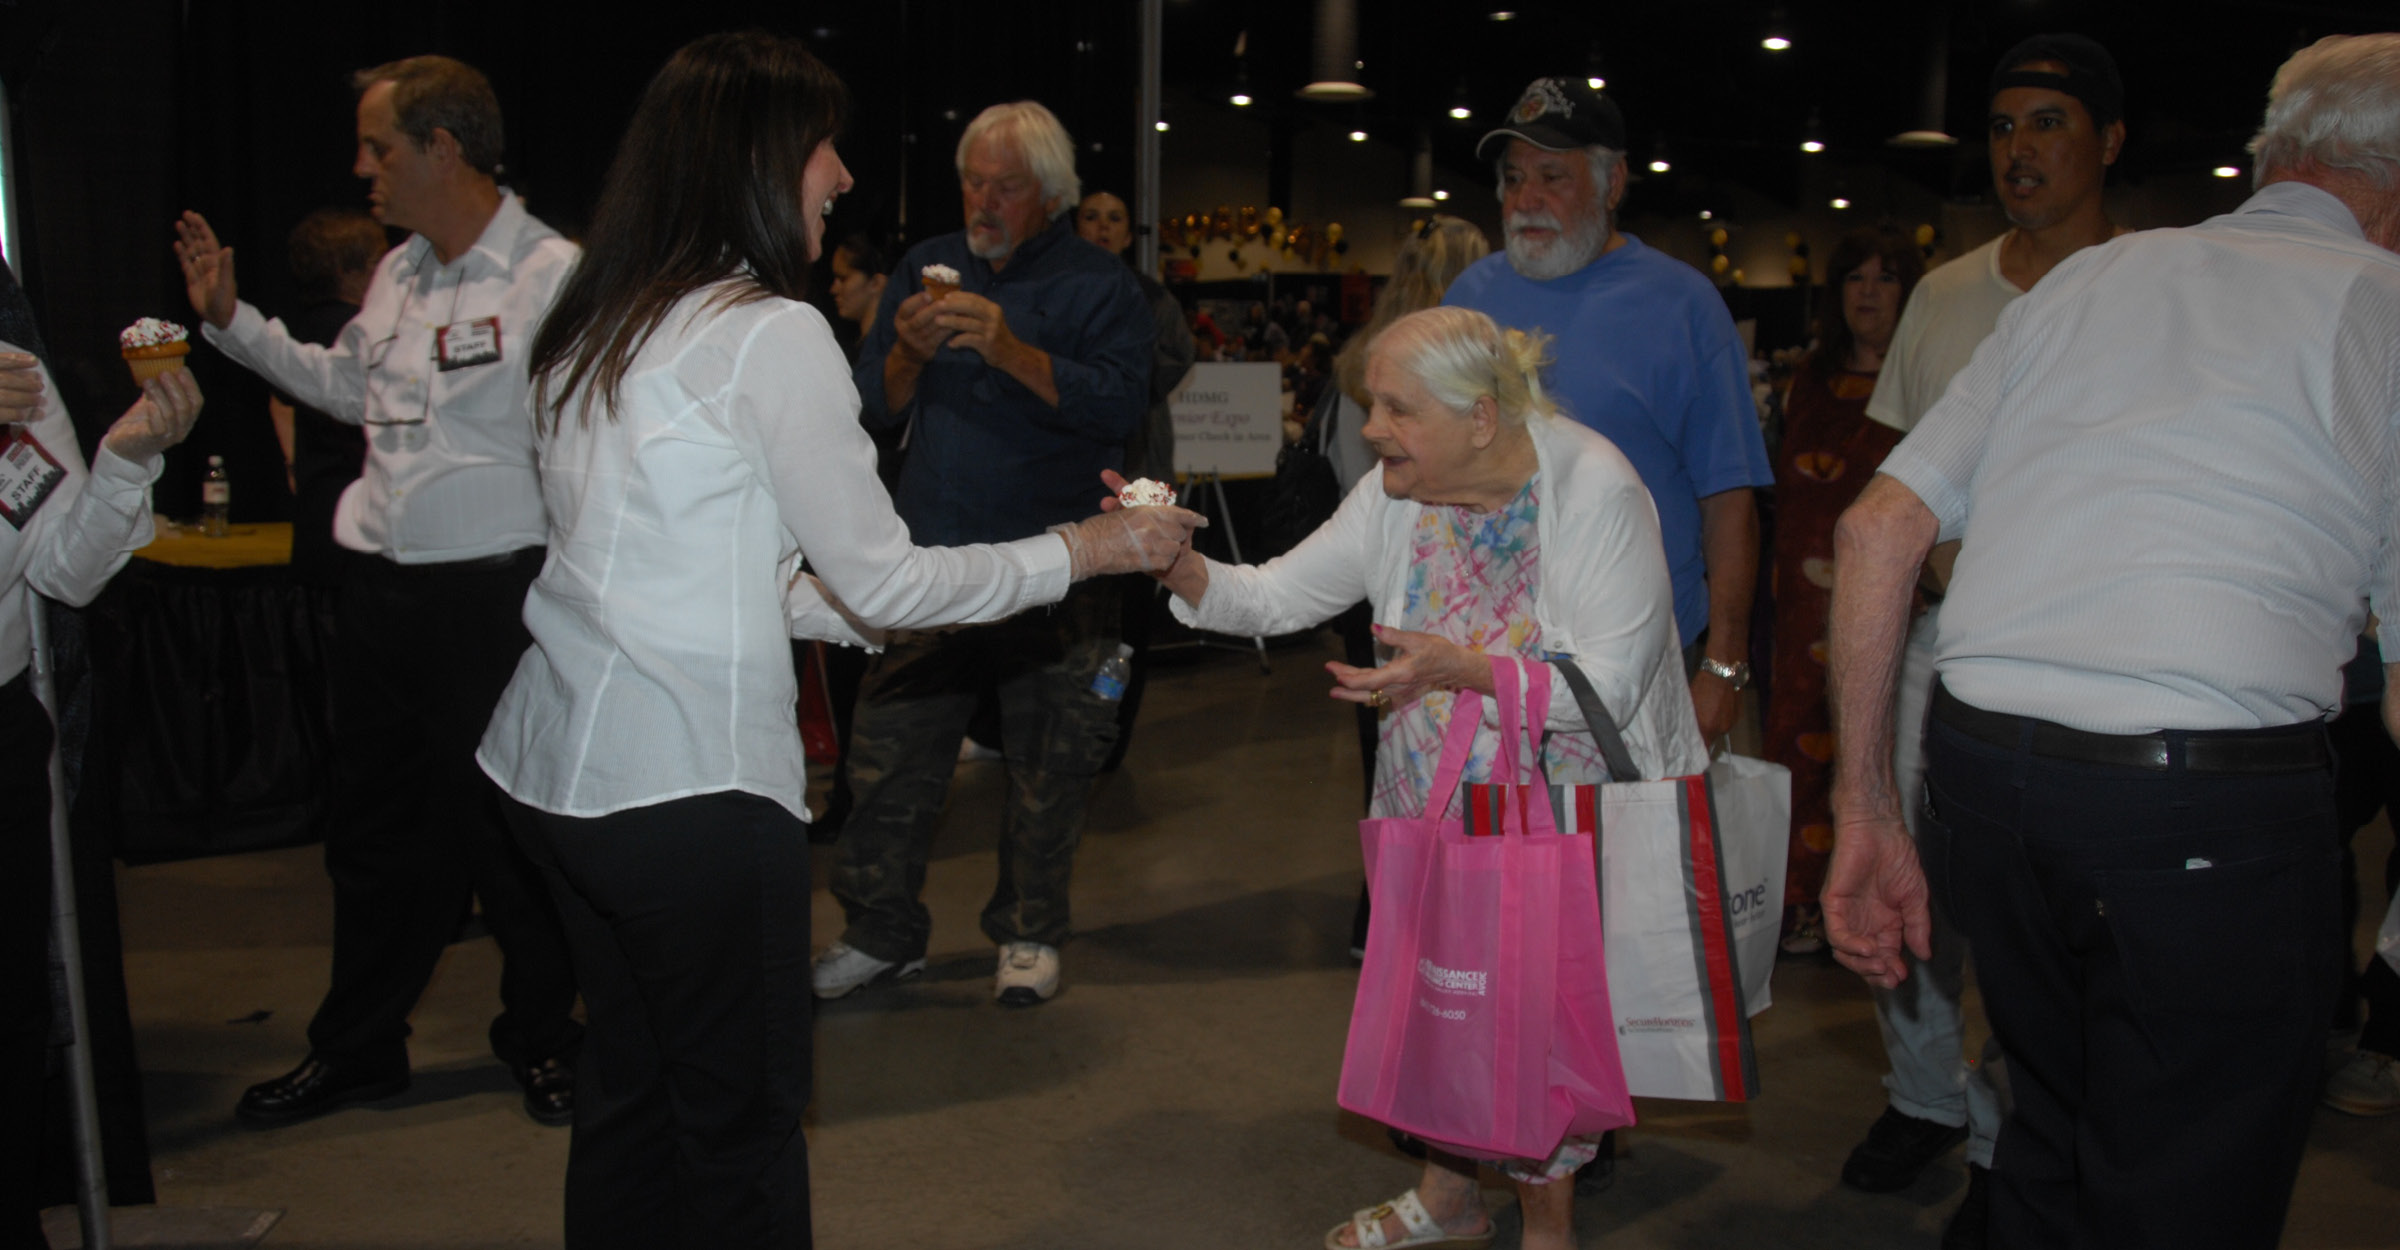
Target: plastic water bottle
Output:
[
  {"x": 1109, "y": 682},
  {"x": 216, "y": 500}
]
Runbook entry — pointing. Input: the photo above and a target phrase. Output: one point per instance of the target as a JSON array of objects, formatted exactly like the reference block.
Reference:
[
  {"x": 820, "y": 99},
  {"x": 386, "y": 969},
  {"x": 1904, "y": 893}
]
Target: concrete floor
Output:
[{"x": 1178, "y": 1093}]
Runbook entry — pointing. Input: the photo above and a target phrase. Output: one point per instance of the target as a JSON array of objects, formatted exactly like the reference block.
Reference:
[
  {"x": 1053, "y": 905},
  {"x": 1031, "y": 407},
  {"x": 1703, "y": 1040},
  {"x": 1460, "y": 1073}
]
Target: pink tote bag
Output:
[{"x": 1482, "y": 1022}]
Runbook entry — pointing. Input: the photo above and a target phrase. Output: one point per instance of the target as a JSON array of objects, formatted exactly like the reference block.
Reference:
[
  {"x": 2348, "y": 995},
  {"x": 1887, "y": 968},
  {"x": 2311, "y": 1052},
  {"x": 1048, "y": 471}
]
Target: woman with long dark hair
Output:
[{"x": 698, "y": 437}]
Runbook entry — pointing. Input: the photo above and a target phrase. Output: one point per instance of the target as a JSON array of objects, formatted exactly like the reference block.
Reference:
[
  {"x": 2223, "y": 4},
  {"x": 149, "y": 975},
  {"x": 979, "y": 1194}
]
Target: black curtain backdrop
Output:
[{"x": 127, "y": 112}]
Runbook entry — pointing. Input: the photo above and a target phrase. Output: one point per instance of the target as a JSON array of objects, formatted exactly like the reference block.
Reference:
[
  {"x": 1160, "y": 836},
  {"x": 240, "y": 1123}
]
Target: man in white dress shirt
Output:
[
  {"x": 2175, "y": 470},
  {"x": 2055, "y": 123},
  {"x": 434, "y": 367}
]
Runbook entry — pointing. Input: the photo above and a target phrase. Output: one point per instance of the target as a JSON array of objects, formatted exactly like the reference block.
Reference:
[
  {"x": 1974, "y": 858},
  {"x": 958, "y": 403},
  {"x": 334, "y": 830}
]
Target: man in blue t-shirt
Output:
[{"x": 1645, "y": 354}]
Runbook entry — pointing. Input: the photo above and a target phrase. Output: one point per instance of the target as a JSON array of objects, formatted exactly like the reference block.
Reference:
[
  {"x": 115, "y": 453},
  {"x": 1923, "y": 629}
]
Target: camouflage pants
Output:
[{"x": 912, "y": 713}]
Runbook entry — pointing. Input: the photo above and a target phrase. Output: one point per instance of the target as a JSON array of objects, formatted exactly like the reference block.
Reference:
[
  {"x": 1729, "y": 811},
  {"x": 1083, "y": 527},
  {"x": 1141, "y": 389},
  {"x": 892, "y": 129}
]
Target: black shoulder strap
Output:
[{"x": 1604, "y": 729}]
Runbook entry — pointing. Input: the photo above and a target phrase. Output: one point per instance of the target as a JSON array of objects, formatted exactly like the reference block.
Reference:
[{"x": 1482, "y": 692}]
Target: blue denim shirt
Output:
[{"x": 988, "y": 460}]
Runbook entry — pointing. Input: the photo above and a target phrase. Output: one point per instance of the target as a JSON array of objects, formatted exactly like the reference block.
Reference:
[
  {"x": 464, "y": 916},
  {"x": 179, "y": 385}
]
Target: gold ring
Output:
[{"x": 1379, "y": 700}]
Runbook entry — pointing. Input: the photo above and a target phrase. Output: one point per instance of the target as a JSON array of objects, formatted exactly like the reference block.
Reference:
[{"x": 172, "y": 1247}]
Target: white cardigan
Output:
[{"x": 1605, "y": 599}]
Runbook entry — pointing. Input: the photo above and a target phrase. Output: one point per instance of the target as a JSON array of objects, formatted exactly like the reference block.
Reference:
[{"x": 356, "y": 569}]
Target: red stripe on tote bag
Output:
[{"x": 1737, "y": 1065}]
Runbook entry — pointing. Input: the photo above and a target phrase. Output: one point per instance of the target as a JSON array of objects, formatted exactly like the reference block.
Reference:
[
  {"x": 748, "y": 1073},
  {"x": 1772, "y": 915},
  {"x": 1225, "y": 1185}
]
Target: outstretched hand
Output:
[
  {"x": 1419, "y": 663},
  {"x": 1129, "y": 540},
  {"x": 1876, "y": 912},
  {"x": 207, "y": 269},
  {"x": 1186, "y": 577}
]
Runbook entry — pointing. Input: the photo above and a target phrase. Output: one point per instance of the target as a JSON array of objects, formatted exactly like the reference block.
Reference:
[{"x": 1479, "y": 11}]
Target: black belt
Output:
[{"x": 2292, "y": 749}]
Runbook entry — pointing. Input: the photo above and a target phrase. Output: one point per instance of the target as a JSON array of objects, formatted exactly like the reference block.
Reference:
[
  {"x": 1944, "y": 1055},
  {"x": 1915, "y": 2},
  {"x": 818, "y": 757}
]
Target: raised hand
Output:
[{"x": 207, "y": 269}]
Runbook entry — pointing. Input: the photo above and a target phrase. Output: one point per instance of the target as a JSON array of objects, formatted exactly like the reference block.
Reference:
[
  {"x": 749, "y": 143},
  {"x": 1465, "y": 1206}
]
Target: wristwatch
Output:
[{"x": 1738, "y": 675}]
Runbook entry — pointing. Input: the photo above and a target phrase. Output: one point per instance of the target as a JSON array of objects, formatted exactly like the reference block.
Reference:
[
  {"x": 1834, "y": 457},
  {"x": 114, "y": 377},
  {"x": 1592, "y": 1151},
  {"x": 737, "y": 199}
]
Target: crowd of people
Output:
[{"x": 2081, "y": 539}]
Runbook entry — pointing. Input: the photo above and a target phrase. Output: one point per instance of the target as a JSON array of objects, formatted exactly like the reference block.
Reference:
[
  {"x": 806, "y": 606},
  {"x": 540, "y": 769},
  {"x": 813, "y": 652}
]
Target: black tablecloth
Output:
[{"x": 210, "y": 730}]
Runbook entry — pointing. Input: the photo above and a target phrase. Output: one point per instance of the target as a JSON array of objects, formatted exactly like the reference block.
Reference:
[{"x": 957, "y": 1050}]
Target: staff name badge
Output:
[
  {"x": 28, "y": 473},
  {"x": 464, "y": 343}
]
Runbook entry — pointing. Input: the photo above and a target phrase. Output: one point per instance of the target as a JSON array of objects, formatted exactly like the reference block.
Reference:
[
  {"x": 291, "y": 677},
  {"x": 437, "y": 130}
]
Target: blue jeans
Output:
[
  {"x": 2156, "y": 950},
  {"x": 1923, "y": 1022}
]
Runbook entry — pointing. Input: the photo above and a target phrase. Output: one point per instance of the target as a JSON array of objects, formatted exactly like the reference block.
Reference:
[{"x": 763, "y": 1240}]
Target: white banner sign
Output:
[{"x": 1229, "y": 419}]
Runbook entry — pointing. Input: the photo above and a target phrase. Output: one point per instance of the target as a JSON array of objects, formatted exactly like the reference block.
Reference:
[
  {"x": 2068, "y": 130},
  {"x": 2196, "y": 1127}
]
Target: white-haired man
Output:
[
  {"x": 2173, "y": 530},
  {"x": 1019, "y": 387},
  {"x": 1649, "y": 357}
]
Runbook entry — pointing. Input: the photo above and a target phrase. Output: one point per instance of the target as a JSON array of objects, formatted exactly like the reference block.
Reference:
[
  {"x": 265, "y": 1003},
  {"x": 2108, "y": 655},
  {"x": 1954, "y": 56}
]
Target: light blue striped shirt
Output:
[{"x": 2173, "y": 467}]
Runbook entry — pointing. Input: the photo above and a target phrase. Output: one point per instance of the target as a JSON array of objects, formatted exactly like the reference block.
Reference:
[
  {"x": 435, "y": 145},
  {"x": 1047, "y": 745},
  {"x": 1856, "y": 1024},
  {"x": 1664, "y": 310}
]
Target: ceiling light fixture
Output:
[
  {"x": 1160, "y": 126},
  {"x": 1240, "y": 100},
  {"x": 1778, "y": 36},
  {"x": 1441, "y": 195},
  {"x": 2227, "y": 171},
  {"x": 1502, "y": 15},
  {"x": 1358, "y": 136},
  {"x": 1839, "y": 202},
  {"x": 1812, "y": 139},
  {"x": 1336, "y": 60}
]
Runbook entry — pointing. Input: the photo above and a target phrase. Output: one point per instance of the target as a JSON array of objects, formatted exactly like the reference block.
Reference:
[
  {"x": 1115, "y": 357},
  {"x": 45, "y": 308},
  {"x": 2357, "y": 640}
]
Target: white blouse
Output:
[
  {"x": 80, "y": 534},
  {"x": 660, "y": 666}
]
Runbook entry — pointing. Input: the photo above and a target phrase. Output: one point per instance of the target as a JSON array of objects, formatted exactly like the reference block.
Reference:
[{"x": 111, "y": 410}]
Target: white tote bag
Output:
[{"x": 1691, "y": 902}]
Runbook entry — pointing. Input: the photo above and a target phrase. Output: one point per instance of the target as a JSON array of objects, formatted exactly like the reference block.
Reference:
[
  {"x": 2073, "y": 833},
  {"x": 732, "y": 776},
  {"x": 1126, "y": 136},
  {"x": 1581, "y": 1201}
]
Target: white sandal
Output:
[{"x": 1418, "y": 1229}]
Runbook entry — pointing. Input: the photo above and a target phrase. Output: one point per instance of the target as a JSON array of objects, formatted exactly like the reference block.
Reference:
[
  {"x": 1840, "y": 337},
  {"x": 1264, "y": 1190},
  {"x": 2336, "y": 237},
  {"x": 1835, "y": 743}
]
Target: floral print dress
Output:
[{"x": 1472, "y": 580}]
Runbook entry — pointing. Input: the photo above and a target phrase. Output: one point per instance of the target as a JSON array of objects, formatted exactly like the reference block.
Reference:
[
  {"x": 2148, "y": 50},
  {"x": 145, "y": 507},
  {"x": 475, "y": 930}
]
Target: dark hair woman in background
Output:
[
  {"x": 698, "y": 436},
  {"x": 1829, "y": 451}
]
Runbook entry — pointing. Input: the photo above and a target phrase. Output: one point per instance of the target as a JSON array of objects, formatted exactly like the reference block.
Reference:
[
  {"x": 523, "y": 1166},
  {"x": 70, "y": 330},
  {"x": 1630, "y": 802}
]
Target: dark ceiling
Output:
[{"x": 1694, "y": 74}]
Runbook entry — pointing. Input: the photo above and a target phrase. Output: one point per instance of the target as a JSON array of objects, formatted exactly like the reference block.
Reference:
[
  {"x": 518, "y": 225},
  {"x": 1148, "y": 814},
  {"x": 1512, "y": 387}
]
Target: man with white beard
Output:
[
  {"x": 1019, "y": 380},
  {"x": 1647, "y": 355}
]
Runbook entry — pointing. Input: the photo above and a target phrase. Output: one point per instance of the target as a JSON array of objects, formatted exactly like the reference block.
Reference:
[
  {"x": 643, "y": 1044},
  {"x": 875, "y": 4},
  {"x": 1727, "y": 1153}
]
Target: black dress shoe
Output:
[
  {"x": 549, "y": 1092},
  {"x": 1967, "y": 1227},
  {"x": 320, "y": 1084},
  {"x": 1898, "y": 1147}
]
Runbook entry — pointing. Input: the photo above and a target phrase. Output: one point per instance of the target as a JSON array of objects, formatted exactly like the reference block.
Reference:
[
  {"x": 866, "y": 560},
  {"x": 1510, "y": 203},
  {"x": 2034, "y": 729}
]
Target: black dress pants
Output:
[
  {"x": 688, "y": 920},
  {"x": 415, "y": 827},
  {"x": 24, "y": 958},
  {"x": 2156, "y": 950},
  {"x": 2366, "y": 781}
]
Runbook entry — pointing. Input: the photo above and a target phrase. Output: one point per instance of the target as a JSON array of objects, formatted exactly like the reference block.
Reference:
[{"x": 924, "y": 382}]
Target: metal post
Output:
[
  {"x": 91, "y": 1175},
  {"x": 1145, "y": 145}
]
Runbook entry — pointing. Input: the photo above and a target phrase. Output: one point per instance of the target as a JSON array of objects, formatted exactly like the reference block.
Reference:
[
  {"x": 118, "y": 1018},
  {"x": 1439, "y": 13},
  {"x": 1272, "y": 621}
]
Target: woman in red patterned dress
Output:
[{"x": 1830, "y": 449}]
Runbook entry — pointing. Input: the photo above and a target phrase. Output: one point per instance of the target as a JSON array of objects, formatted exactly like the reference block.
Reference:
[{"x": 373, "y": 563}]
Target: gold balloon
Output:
[
  {"x": 1273, "y": 216},
  {"x": 1924, "y": 235},
  {"x": 1717, "y": 237},
  {"x": 1333, "y": 232},
  {"x": 1719, "y": 263},
  {"x": 1737, "y": 277}
]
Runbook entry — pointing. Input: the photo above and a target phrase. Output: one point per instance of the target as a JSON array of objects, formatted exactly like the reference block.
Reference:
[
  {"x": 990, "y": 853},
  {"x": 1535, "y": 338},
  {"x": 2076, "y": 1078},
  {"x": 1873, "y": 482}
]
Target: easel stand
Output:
[
  {"x": 91, "y": 1178},
  {"x": 192, "y": 1228},
  {"x": 1193, "y": 497}
]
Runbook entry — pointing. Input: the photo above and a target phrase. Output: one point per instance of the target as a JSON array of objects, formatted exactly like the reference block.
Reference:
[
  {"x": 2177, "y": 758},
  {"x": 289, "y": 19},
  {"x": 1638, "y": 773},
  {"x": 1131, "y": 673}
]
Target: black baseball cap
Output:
[
  {"x": 2091, "y": 75},
  {"x": 1558, "y": 114}
]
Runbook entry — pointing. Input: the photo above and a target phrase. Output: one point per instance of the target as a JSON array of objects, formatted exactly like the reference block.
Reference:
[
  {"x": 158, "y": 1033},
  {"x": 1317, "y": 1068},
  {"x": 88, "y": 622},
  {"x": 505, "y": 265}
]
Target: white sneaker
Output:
[
  {"x": 2367, "y": 1084},
  {"x": 842, "y": 968},
  {"x": 1028, "y": 974}
]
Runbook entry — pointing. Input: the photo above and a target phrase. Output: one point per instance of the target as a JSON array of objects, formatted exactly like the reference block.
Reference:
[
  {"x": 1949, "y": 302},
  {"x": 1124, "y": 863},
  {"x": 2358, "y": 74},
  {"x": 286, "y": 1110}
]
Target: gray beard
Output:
[
  {"x": 995, "y": 251},
  {"x": 1576, "y": 246}
]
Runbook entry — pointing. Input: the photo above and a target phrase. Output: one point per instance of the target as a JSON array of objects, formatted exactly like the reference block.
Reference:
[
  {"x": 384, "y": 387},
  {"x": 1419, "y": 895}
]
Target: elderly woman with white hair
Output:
[{"x": 1490, "y": 526}]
